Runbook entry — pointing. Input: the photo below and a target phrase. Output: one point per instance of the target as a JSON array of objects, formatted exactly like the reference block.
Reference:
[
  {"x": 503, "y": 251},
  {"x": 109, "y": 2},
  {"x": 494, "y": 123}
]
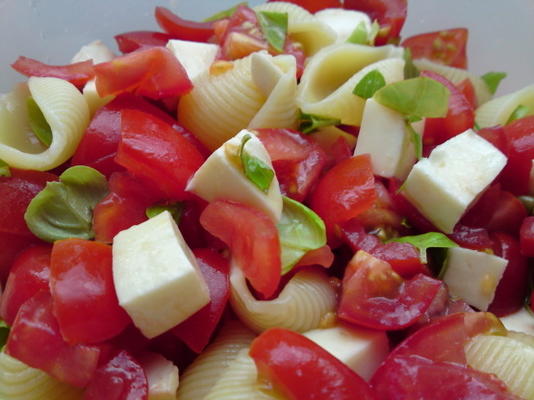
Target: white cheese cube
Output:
[
  {"x": 161, "y": 375},
  {"x": 96, "y": 51},
  {"x": 156, "y": 276},
  {"x": 444, "y": 186},
  {"x": 473, "y": 275},
  {"x": 195, "y": 57},
  {"x": 520, "y": 321},
  {"x": 361, "y": 349},
  {"x": 221, "y": 178},
  {"x": 343, "y": 22}
]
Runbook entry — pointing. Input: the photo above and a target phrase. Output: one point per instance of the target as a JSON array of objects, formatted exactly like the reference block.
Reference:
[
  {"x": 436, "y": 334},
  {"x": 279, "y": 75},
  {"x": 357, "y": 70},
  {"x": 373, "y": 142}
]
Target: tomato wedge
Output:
[
  {"x": 78, "y": 73},
  {"x": 526, "y": 237},
  {"x": 181, "y": 28},
  {"x": 302, "y": 370},
  {"x": 131, "y": 41},
  {"x": 314, "y": 5}
]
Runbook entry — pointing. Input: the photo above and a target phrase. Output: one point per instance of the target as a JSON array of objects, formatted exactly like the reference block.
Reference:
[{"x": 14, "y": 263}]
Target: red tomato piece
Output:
[
  {"x": 131, "y": 41},
  {"x": 152, "y": 72},
  {"x": 496, "y": 136},
  {"x": 472, "y": 238},
  {"x": 314, "y": 5},
  {"x": 468, "y": 90},
  {"x": 83, "y": 294},
  {"x": 198, "y": 328},
  {"x": 121, "y": 378},
  {"x": 344, "y": 192},
  {"x": 35, "y": 340},
  {"x": 151, "y": 149},
  {"x": 381, "y": 215},
  {"x": 30, "y": 274},
  {"x": 375, "y": 296},
  {"x": 181, "y": 28},
  {"x": 526, "y": 237},
  {"x": 78, "y": 73},
  {"x": 302, "y": 370},
  {"x": 252, "y": 238},
  {"x": 446, "y": 47},
  {"x": 322, "y": 256}
]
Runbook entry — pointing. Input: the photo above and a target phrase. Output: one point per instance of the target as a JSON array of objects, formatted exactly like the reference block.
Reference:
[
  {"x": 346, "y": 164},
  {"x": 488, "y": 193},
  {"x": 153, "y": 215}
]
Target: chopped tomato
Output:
[
  {"x": 196, "y": 331},
  {"x": 496, "y": 136},
  {"x": 526, "y": 237},
  {"x": 121, "y": 378},
  {"x": 83, "y": 294},
  {"x": 36, "y": 341},
  {"x": 151, "y": 149},
  {"x": 78, "y": 73},
  {"x": 314, "y": 5},
  {"x": 131, "y": 41},
  {"x": 252, "y": 238},
  {"x": 446, "y": 47},
  {"x": 301, "y": 369},
  {"x": 468, "y": 90},
  {"x": 381, "y": 215},
  {"x": 152, "y": 72},
  {"x": 375, "y": 296},
  {"x": 181, "y": 28},
  {"x": 322, "y": 256},
  {"x": 344, "y": 192},
  {"x": 471, "y": 238}
]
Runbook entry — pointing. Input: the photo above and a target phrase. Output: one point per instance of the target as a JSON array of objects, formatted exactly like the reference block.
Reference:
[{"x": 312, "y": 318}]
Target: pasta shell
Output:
[{"x": 499, "y": 110}]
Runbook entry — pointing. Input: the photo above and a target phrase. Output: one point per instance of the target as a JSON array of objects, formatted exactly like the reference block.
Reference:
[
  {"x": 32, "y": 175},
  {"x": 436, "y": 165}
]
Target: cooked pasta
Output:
[
  {"x": 499, "y": 110},
  {"x": 65, "y": 110}
]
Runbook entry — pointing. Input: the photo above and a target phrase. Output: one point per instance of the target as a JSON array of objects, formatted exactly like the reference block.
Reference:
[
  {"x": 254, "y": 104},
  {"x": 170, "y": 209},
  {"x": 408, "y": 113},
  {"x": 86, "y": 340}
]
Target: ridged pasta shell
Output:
[
  {"x": 300, "y": 306},
  {"x": 498, "y": 110},
  {"x": 65, "y": 110}
]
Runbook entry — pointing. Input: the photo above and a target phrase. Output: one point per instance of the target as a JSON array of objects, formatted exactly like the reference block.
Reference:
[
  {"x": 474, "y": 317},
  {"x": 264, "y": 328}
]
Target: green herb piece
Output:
[
  {"x": 410, "y": 70},
  {"x": 528, "y": 202},
  {"x": 309, "y": 123},
  {"x": 375, "y": 28},
  {"x": 476, "y": 126},
  {"x": 225, "y": 13},
  {"x": 427, "y": 241},
  {"x": 300, "y": 231},
  {"x": 415, "y": 97},
  {"x": 416, "y": 139},
  {"x": 4, "y": 169},
  {"x": 369, "y": 84},
  {"x": 256, "y": 171},
  {"x": 519, "y": 112},
  {"x": 64, "y": 209},
  {"x": 175, "y": 209},
  {"x": 4, "y": 333},
  {"x": 274, "y": 28},
  {"x": 493, "y": 79},
  {"x": 38, "y": 122},
  {"x": 359, "y": 35}
]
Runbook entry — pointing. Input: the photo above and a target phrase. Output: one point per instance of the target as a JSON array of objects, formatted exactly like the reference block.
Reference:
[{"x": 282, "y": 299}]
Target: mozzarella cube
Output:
[
  {"x": 361, "y": 349},
  {"x": 446, "y": 184},
  {"x": 96, "y": 51},
  {"x": 473, "y": 275},
  {"x": 520, "y": 321},
  {"x": 156, "y": 276},
  {"x": 343, "y": 22},
  {"x": 222, "y": 178},
  {"x": 195, "y": 57},
  {"x": 161, "y": 375}
]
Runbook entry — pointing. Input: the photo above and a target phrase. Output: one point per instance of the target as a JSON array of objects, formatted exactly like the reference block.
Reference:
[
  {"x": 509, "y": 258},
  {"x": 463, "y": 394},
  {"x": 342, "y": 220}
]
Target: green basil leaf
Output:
[
  {"x": 225, "y": 13},
  {"x": 375, "y": 28},
  {"x": 528, "y": 202},
  {"x": 309, "y": 123},
  {"x": 427, "y": 241},
  {"x": 415, "y": 97},
  {"x": 175, "y": 209},
  {"x": 38, "y": 122},
  {"x": 369, "y": 84},
  {"x": 519, "y": 112},
  {"x": 476, "y": 126},
  {"x": 274, "y": 28},
  {"x": 4, "y": 333},
  {"x": 416, "y": 139},
  {"x": 359, "y": 35},
  {"x": 410, "y": 70},
  {"x": 493, "y": 79},
  {"x": 4, "y": 169},
  {"x": 256, "y": 171},
  {"x": 64, "y": 209},
  {"x": 300, "y": 231}
]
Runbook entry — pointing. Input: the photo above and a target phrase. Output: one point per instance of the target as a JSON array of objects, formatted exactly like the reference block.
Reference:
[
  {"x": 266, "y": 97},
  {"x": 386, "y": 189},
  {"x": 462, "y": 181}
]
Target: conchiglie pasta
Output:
[
  {"x": 329, "y": 79},
  {"x": 499, "y": 110},
  {"x": 65, "y": 110},
  {"x": 203, "y": 373},
  {"x": 302, "y": 304},
  {"x": 20, "y": 382},
  {"x": 220, "y": 105}
]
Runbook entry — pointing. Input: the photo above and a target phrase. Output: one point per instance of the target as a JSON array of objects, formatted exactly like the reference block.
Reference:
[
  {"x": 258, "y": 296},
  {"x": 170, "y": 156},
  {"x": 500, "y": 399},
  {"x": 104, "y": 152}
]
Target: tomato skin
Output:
[
  {"x": 121, "y": 378},
  {"x": 345, "y": 191},
  {"x": 468, "y": 90},
  {"x": 78, "y": 73},
  {"x": 131, "y": 41},
  {"x": 252, "y": 238},
  {"x": 300, "y": 369},
  {"x": 496, "y": 136},
  {"x": 35, "y": 340},
  {"x": 526, "y": 237},
  {"x": 314, "y": 5},
  {"x": 181, "y": 28},
  {"x": 471, "y": 238}
]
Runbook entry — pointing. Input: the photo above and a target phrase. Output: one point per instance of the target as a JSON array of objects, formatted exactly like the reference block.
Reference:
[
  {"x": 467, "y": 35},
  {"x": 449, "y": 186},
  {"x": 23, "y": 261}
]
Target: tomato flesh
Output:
[
  {"x": 314, "y": 5},
  {"x": 526, "y": 237},
  {"x": 78, "y": 73},
  {"x": 131, "y": 41},
  {"x": 181, "y": 28}
]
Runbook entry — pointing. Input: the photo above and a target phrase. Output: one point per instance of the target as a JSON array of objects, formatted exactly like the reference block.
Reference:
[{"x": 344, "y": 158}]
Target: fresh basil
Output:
[
  {"x": 38, "y": 123},
  {"x": 4, "y": 169},
  {"x": 369, "y": 84},
  {"x": 519, "y": 112},
  {"x": 4, "y": 333},
  {"x": 300, "y": 230},
  {"x": 225, "y": 13},
  {"x": 493, "y": 79},
  {"x": 256, "y": 171},
  {"x": 416, "y": 97},
  {"x": 410, "y": 70},
  {"x": 64, "y": 209},
  {"x": 175, "y": 209},
  {"x": 359, "y": 35},
  {"x": 528, "y": 202},
  {"x": 309, "y": 123},
  {"x": 427, "y": 241},
  {"x": 416, "y": 139},
  {"x": 274, "y": 28}
]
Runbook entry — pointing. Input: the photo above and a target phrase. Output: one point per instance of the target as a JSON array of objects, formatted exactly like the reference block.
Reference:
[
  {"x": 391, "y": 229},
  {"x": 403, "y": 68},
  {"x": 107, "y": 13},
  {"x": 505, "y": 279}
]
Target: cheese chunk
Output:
[
  {"x": 362, "y": 350},
  {"x": 156, "y": 276},
  {"x": 161, "y": 375},
  {"x": 221, "y": 178},
  {"x": 195, "y": 57},
  {"x": 444, "y": 186},
  {"x": 343, "y": 22},
  {"x": 520, "y": 321},
  {"x": 473, "y": 275}
]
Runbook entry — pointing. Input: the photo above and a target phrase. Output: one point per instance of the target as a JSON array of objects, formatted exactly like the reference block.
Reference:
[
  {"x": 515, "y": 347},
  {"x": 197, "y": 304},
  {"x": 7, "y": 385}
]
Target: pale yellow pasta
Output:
[
  {"x": 203, "y": 373},
  {"x": 499, "y": 110},
  {"x": 220, "y": 105},
  {"x": 302, "y": 304},
  {"x": 65, "y": 110},
  {"x": 303, "y": 26},
  {"x": 20, "y": 382},
  {"x": 329, "y": 79},
  {"x": 329, "y": 135}
]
